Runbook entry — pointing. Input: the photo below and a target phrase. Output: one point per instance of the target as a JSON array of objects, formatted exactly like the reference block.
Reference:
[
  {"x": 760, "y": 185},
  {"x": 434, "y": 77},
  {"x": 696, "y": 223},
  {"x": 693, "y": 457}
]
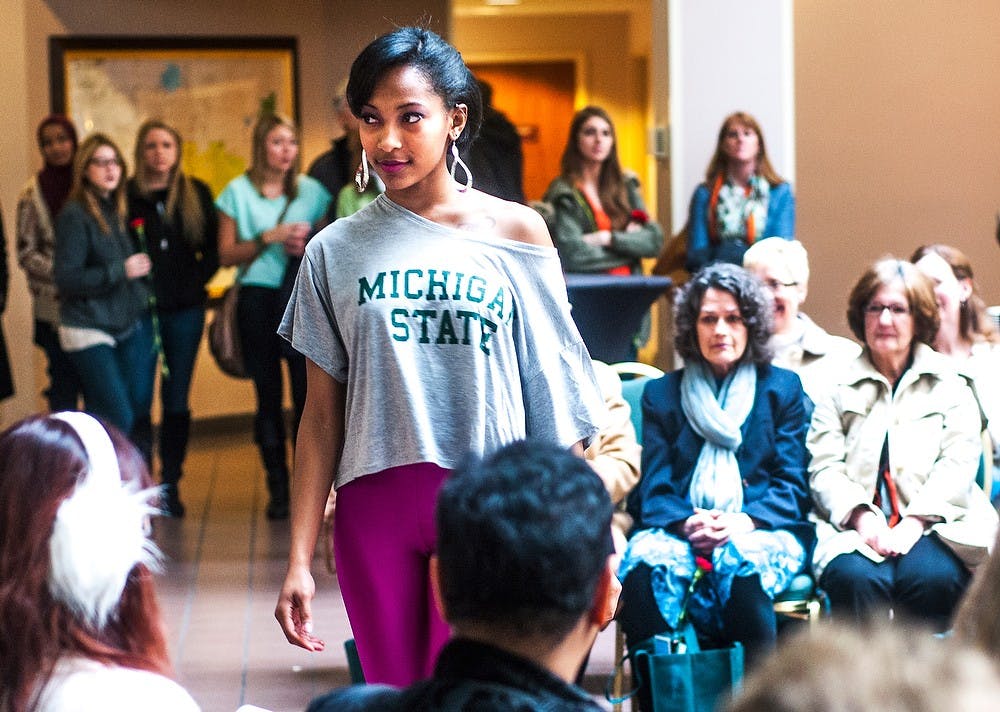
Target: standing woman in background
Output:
[
  {"x": 600, "y": 222},
  {"x": 177, "y": 218},
  {"x": 742, "y": 200},
  {"x": 41, "y": 200},
  {"x": 265, "y": 217},
  {"x": 104, "y": 318}
]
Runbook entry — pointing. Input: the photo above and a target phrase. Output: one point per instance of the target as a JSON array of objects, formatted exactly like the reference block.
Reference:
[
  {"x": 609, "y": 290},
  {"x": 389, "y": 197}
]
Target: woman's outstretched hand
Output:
[{"x": 294, "y": 609}]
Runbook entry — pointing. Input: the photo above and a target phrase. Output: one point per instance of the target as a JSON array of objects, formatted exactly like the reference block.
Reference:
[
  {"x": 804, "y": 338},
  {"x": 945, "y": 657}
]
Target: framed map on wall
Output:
[{"x": 211, "y": 89}]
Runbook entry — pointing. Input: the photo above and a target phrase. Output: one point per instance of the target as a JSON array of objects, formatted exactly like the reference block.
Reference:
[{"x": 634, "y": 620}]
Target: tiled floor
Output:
[{"x": 225, "y": 564}]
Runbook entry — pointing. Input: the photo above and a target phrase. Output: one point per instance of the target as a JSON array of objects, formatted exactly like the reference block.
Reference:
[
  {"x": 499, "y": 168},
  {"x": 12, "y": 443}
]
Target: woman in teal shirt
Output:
[{"x": 266, "y": 216}]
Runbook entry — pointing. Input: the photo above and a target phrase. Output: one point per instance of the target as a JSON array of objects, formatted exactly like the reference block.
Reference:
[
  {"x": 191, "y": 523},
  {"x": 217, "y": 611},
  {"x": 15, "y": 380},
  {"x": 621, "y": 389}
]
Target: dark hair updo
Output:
[{"x": 437, "y": 60}]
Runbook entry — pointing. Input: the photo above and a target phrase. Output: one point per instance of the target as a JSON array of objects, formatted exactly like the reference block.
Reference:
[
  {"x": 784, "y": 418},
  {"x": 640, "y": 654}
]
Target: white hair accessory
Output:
[{"x": 100, "y": 531}]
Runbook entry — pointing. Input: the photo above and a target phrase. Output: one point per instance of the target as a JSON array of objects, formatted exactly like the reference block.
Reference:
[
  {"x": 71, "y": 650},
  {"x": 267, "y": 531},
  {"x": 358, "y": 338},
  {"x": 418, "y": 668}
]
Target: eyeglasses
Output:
[
  {"x": 894, "y": 309},
  {"x": 104, "y": 162},
  {"x": 710, "y": 320},
  {"x": 774, "y": 285}
]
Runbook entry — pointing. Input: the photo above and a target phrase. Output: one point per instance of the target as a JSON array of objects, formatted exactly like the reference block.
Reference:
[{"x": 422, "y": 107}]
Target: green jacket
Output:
[{"x": 571, "y": 219}]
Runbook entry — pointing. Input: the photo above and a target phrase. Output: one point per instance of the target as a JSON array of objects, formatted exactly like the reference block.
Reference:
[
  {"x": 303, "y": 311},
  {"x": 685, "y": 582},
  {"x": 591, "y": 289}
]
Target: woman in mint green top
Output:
[{"x": 266, "y": 216}]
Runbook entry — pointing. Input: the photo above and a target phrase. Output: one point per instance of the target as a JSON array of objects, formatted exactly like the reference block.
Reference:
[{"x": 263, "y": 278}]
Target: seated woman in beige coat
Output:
[
  {"x": 614, "y": 452},
  {"x": 895, "y": 449}
]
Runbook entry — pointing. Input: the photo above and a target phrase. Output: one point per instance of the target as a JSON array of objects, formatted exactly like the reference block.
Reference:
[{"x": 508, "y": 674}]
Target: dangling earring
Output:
[
  {"x": 457, "y": 161},
  {"x": 361, "y": 177}
]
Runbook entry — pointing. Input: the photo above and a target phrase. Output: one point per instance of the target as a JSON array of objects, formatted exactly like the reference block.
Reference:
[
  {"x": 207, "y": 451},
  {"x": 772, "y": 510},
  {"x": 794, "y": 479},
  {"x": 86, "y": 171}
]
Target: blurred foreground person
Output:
[{"x": 80, "y": 627}]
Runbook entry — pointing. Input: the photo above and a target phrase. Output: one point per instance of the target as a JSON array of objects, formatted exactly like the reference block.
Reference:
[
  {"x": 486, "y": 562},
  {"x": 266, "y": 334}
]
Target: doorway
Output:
[{"x": 538, "y": 99}]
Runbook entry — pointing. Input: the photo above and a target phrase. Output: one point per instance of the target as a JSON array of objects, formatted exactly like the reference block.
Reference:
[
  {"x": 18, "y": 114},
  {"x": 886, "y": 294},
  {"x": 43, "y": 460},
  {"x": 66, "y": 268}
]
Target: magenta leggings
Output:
[{"x": 384, "y": 536}]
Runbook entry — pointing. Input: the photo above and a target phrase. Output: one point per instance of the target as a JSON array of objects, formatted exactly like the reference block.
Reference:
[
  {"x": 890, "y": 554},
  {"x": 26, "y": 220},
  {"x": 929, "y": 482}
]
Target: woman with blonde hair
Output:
[
  {"x": 266, "y": 215},
  {"x": 177, "y": 221},
  {"x": 799, "y": 343},
  {"x": 102, "y": 279},
  {"x": 742, "y": 200}
]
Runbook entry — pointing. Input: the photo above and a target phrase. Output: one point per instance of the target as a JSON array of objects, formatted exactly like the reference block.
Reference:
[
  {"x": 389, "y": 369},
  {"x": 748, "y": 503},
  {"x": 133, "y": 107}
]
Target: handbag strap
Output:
[
  {"x": 690, "y": 640},
  {"x": 284, "y": 211},
  {"x": 281, "y": 216},
  {"x": 736, "y": 671},
  {"x": 618, "y": 668}
]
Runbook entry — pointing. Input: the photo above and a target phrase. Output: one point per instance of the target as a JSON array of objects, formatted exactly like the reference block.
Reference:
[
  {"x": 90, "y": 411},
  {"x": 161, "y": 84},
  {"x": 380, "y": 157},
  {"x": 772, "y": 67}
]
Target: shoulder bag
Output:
[
  {"x": 224, "y": 331},
  {"x": 694, "y": 680}
]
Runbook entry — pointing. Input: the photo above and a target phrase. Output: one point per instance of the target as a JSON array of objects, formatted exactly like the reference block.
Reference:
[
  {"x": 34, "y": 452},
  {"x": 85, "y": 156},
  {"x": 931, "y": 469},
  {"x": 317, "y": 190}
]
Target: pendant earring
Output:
[
  {"x": 457, "y": 161},
  {"x": 361, "y": 177}
]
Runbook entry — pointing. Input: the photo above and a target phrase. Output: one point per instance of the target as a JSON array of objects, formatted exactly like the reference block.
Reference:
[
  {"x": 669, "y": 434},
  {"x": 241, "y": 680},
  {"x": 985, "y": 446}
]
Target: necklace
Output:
[{"x": 161, "y": 209}]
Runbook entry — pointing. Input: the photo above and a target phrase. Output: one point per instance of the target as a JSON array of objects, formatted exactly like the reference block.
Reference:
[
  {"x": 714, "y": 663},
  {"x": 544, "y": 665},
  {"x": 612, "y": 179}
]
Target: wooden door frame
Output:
[{"x": 578, "y": 59}]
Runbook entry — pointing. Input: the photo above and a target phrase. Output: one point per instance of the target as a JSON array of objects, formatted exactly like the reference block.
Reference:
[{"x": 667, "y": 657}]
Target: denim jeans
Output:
[
  {"x": 118, "y": 380},
  {"x": 64, "y": 389},
  {"x": 181, "y": 334}
]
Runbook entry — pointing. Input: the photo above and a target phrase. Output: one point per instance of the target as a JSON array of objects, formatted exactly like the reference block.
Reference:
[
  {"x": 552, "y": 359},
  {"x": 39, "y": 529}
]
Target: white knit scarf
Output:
[{"x": 716, "y": 412}]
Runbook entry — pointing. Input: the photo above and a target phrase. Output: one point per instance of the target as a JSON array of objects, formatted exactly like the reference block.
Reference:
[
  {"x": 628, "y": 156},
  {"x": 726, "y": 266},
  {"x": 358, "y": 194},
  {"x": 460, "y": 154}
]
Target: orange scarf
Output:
[
  {"x": 713, "y": 208},
  {"x": 603, "y": 222}
]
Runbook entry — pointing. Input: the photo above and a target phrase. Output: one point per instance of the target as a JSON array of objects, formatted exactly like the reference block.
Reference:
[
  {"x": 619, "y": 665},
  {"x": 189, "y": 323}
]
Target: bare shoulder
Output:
[{"x": 517, "y": 222}]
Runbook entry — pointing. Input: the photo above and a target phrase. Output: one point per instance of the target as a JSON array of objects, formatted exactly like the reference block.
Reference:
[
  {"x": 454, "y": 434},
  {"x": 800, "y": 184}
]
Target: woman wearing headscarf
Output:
[{"x": 41, "y": 200}]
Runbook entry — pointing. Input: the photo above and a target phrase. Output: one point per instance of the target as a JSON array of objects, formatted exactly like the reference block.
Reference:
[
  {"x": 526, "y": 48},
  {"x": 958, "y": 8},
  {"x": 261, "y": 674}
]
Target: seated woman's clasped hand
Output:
[
  {"x": 877, "y": 534},
  {"x": 707, "y": 529}
]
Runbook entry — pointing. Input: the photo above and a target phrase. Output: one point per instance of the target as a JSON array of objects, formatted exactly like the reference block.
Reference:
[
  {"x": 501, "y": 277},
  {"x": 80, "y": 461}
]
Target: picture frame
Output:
[{"x": 211, "y": 89}]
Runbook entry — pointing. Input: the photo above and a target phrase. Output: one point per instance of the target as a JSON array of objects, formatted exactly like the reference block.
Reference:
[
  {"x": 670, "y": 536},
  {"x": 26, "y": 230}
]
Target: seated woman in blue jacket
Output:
[
  {"x": 723, "y": 475},
  {"x": 742, "y": 200}
]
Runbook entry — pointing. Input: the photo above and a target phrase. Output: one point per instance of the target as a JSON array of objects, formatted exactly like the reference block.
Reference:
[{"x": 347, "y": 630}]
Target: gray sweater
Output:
[{"x": 89, "y": 271}]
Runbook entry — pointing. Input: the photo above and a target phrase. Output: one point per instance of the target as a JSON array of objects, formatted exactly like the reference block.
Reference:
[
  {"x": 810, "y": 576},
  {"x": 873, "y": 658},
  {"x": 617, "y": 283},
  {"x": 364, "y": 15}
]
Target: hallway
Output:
[{"x": 224, "y": 566}]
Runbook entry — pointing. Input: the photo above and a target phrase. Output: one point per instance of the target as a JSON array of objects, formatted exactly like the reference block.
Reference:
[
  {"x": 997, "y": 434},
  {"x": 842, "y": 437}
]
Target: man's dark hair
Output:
[{"x": 523, "y": 537}]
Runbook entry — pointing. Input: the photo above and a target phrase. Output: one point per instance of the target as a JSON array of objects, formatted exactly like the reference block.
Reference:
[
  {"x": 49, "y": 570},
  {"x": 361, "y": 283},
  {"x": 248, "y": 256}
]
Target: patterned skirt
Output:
[{"x": 776, "y": 556}]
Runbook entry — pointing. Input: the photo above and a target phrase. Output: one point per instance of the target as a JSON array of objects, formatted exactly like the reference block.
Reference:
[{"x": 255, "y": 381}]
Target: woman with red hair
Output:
[
  {"x": 742, "y": 200},
  {"x": 80, "y": 627}
]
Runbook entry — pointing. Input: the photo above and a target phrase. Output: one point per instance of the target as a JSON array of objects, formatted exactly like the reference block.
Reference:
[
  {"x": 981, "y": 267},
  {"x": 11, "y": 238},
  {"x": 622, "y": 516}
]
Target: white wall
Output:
[{"x": 726, "y": 56}]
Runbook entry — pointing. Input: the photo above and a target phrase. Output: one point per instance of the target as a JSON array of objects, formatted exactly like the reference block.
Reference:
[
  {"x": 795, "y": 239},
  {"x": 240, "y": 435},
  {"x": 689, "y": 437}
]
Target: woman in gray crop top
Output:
[{"x": 434, "y": 323}]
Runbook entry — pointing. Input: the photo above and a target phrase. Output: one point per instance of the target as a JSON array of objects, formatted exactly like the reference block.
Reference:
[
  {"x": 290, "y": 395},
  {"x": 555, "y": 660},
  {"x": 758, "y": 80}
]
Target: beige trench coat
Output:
[
  {"x": 614, "y": 453},
  {"x": 933, "y": 424}
]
